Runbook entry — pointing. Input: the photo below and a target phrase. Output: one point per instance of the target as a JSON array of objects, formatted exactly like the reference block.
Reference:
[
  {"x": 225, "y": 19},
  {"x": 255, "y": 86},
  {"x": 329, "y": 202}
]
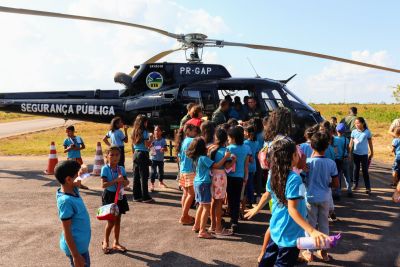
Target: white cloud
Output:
[
  {"x": 341, "y": 82},
  {"x": 58, "y": 54}
]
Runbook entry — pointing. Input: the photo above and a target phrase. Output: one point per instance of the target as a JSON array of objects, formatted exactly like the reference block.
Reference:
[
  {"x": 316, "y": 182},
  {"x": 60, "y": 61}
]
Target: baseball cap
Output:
[{"x": 341, "y": 127}]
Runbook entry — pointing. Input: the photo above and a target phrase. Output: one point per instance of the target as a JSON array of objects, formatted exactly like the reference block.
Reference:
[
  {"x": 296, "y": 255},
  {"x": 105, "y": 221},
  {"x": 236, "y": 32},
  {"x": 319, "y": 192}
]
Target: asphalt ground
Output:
[
  {"x": 30, "y": 229},
  {"x": 8, "y": 129}
]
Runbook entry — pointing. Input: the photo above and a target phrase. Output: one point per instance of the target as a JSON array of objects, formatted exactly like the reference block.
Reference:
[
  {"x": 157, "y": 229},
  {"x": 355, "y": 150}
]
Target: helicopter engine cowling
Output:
[{"x": 123, "y": 78}]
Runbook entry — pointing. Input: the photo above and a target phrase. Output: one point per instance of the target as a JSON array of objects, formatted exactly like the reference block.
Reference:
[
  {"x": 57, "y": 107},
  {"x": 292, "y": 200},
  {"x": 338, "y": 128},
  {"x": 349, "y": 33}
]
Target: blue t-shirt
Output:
[
  {"x": 78, "y": 142},
  {"x": 341, "y": 143},
  {"x": 319, "y": 176},
  {"x": 253, "y": 145},
  {"x": 284, "y": 230},
  {"x": 396, "y": 145},
  {"x": 157, "y": 153},
  {"x": 111, "y": 174},
  {"x": 71, "y": 207},
  {"x": 219, "y": 155},
  {"x": 306, "y": 149},
  {"x": 185, "y": 163},
  {"x": 360, "y": 140},
  {"x": 203, "y": 166},
  {"x": 141, "y": 146},
  {"x": 117, "y": 137},
  {"x": 241, "y": 152},
  {"x": 330, "y": 153}
]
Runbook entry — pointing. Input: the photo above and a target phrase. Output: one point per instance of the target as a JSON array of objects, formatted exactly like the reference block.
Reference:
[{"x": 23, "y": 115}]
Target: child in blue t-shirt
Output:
[
  {"x": 361, "y": 139},
  {"x": 141, "y": 140},
  {"x": 396, "y": 151},
  {"x": 197, "y": 151},
  {"x": 238, "y": 176},
  {"x": 251, "y": 142},
  {"x": 73, "y": 145},
  {"x": 321, "y": 176},
  {"x": 288, "y": 221},
  {"x": 76, "y": 234},
  {"x": 117, "y": 137},
  {"x": 187, "y": 171},
  {"x": 157, "y": 149},
  {"x": 306, "y": 146},
  {"x": 114, "y": 176},
  {"x": 341, "y": 146}
]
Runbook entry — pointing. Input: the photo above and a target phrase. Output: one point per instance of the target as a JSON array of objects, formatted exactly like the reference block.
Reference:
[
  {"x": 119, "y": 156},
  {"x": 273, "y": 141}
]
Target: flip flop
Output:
[
  {"x": 188, "y": 222},
  {"x": 106, "y": 250},
  {"x": 205, "y": 235},
  {"x": 224, "y": 232},
  {"x": 119, "y": 248},
  {"x": 324, "y": 258}
]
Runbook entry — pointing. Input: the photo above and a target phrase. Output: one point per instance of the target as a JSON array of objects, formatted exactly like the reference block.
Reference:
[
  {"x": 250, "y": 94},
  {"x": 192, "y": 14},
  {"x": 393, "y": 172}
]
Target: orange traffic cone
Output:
[
  {"x": 52, "y": 159},
  {"x": 98, "y": 160}
]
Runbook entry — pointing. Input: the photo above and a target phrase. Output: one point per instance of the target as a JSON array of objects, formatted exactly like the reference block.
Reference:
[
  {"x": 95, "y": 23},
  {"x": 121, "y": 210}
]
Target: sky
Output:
[{"x": 50, "y": 54}]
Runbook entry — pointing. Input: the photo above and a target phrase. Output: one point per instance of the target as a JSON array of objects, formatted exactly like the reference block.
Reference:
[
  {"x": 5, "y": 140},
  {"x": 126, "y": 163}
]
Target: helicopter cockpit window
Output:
[
  {"x": 272, "y": 99},
  {"x": 295, "y": 101}
]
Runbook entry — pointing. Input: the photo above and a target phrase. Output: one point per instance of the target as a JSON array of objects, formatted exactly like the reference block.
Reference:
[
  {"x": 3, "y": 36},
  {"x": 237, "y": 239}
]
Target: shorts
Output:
[
  {"x": 219, "y": 183},
  {"x": 108, "y": 198},
  {"x": 396, "y": 166},
  {"x": 186, "y": 179},
  {"x": 79, "y": 160},
  {"x": 203, "y": 193}
]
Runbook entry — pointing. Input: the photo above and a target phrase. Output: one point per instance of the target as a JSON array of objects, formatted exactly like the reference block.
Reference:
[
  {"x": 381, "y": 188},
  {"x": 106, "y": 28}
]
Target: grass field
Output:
[
  {"x": 378, "y": 117},
  {"x": 8, "y": 117}
]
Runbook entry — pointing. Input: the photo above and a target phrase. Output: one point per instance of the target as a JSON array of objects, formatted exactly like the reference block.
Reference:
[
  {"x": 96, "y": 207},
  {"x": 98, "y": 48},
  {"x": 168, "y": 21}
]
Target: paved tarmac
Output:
[
  {"x": 30, "y": 229},
  {"x": 8, "y": 129}
]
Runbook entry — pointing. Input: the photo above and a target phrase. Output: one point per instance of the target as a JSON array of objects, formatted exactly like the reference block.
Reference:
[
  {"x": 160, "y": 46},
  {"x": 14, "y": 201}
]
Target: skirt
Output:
[
  {"x": 108, "y": 198},
  {"x": 219, "y": 183}
]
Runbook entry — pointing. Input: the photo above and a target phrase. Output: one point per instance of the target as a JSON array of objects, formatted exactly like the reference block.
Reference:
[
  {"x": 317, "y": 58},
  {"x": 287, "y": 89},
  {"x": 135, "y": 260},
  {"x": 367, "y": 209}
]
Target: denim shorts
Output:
[
  {"x": 203, "y": 193},
  {"x": 85, "y": 256},
  {"x": 396, "y": 166}
]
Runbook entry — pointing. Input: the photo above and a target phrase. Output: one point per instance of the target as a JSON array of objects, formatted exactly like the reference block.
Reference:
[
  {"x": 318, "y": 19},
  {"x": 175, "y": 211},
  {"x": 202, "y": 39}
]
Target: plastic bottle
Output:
[{"x": 309, "y": 242}]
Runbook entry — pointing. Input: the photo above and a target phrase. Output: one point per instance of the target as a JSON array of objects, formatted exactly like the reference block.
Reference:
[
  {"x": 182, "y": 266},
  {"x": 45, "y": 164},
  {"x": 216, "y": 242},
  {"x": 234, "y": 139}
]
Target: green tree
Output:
[{"x": 396, "y": 93}]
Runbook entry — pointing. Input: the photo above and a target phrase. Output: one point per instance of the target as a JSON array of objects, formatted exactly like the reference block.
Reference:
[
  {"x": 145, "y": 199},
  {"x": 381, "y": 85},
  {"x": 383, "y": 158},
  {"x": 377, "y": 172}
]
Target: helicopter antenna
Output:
[{"x": 257, "y": 76}]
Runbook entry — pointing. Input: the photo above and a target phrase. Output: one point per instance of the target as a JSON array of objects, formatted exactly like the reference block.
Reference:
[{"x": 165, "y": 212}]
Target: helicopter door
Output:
[{"x": 208, "y": 102}]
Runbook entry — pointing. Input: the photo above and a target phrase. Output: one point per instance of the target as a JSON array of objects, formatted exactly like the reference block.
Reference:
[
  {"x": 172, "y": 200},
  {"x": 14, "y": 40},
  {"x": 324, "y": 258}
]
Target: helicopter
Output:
[{"x": 161, "y": 90}]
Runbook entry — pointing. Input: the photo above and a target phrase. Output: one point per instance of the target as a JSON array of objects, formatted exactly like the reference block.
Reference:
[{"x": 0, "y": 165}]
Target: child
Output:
[
  {"x": 117, "y": 137},
  {"x": 288, "y": 207},
  {"x": 251, "y": 142},
  {"x": 197, "y": 151},
  {"x": 334, "y": 124},
  {"x": 341, "y": 145},
  {"x": 396, "y": 151},
  {"x": 237, "y": 177},
  {"x": 306, "y": 147},
  {"x": 113, "y": 176},
  {"x": 207, "y": 129},
  {"x": 75, "y": 237},
  {"x": 73, "y": 145},
  {"x": 361, "y": 138},
  {"x": 322, "y": 174},
  {"x": 219, "y": 182},
  {"x": 158, "y": 147},
  {"x": 141, "y": 142},
  {"x": 187, "y": 173}
]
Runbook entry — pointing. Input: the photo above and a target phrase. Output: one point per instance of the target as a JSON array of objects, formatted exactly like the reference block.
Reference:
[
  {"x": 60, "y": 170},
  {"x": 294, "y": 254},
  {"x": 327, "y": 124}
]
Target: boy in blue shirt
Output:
[
  {"x": 396, "y": 151},
  {"x": 75, "y": 238},
  {"x": 73, "y": 145},
  {"x": 321, "y": 176},
  {"x": 157, "y": 149},
  {"x": 341, "y": 145}
]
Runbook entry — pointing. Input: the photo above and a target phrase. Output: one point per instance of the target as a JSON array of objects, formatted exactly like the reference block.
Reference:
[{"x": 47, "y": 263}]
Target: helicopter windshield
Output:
[{"x": 295, "y": 100}]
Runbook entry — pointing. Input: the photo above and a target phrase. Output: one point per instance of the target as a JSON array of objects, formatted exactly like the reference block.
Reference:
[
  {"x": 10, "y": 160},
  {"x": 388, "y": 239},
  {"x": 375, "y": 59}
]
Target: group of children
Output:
[{"x": 222, "y": 164}]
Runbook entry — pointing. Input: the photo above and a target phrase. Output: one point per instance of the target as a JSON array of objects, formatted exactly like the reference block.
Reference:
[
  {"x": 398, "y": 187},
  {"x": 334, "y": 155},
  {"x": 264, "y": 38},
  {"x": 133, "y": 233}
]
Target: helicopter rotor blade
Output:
[
  {"x": 310, "y": 54},
  {"x": 156, "y": 58},
  {"x": 75, "y": 17}
]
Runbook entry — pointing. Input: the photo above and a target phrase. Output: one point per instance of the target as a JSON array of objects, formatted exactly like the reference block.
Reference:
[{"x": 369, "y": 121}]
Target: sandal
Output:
[
  {"x": 187, "y": 222},
  {"x": 106, "y": 249},
  {"x": 224, "y": 232},
  {"x": 205, "y": 235},
  {"x": 323, "y": 255},
  {"x": 119, "y": 248},
  {"x": 307, "y": 256},
  {"x": 210, "y": 230}
]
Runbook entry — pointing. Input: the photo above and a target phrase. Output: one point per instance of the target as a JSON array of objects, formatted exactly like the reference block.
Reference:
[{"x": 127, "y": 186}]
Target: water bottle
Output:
[{"x": 309, "y": 242}]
